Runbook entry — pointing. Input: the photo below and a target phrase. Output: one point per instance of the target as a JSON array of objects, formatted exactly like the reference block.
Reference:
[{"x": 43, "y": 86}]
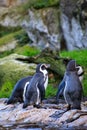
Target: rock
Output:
[
  {"x": 16, "y": 114},
  {"x": 9, "y": 19},
  {"x": 8, "y": 46},
  {"x": 46, "y": 33},
  {"x": 7, "y": 3},
  {"x": 72, "y": 23}
]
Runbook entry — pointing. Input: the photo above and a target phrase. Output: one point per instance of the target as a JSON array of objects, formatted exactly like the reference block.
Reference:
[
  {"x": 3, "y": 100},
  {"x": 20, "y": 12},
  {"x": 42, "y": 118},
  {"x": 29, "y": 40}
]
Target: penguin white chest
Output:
[
  {"x": 25, "y": 89},
  {"x": 64, "y": 93},
  {"x": 46, "y": 82},
  {"x": 45, "y": 78}
]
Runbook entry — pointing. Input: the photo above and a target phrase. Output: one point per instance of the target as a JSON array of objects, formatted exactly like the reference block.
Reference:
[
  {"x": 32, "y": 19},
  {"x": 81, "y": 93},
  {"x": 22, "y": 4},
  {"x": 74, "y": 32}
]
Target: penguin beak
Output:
[{"x": 47, "y": 65}]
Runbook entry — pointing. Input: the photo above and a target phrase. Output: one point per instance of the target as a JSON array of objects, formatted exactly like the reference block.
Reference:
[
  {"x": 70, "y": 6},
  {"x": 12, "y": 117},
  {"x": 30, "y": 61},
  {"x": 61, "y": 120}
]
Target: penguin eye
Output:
[
  {"x": 43, "y": 67},
  {"x": 77, "y": 68}
]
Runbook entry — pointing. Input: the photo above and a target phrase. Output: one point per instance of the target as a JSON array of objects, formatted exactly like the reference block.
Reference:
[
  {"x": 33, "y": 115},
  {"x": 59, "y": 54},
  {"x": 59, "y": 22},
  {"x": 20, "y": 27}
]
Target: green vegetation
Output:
[
  {"x": 37, "y": 4},
  {"x": 81, "y": 58},
  {"x": 21, "y": 37},
  {"x": 7, "y": 86},
  {"x": 10, "y": 73},
  {"x": 7, "y": 30},
  {"x": 27, "y": 50},
  {"x": 6, "y": 53},
  {"x": 51, "y": 91},
  {"x": 7, "y": 38},
  {"x": 6, "y": 90}
]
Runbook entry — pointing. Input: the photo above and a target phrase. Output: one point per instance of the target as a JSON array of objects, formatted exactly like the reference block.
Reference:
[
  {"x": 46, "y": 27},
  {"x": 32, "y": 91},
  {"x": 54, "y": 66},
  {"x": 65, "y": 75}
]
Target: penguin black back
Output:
[{"x": 17, "y": 93}]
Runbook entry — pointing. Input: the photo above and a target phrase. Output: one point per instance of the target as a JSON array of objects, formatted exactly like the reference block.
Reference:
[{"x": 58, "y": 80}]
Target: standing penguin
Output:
[
  {"x": 35, "y": 91},
  {"x": 73, "y": 87},
  {"x": 61, "y": 86},
  {"x": 17, "y": 93}
]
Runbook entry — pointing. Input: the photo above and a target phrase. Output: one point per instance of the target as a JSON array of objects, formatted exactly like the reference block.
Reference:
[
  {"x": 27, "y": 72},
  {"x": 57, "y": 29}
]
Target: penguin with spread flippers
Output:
[
  {"x": 34, "y": 92},
  {"x": 17, "y": 93},
  {"x": 73, "y": 87},
  {"x": 61, "y": 86}
]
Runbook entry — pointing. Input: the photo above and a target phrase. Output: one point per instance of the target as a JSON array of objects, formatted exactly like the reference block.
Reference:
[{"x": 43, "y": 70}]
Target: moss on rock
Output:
[{"x": 11, "y": 71}]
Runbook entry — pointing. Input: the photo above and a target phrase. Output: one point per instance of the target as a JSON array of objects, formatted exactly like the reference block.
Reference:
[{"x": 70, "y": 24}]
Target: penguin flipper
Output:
[{"x": 60, "y": 90}]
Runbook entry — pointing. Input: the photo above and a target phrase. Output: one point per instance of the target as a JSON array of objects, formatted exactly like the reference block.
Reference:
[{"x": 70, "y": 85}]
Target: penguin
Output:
[
  {"x": 61, "y": 86},
  {"x": 34, "y": 92},
  {"x": 80, "y": 72},
  {"x": 73, "y": 87},
  {"x": 17, "y": 93}
]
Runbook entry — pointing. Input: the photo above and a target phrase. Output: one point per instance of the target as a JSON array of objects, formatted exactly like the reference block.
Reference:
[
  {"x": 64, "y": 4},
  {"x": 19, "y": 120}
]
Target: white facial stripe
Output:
[
  {"x": 43, "y": 71},
  {"x": 80, "y": 70},
  {"x": 45, "y": 77},
  {"x": 25, "y": 87}
]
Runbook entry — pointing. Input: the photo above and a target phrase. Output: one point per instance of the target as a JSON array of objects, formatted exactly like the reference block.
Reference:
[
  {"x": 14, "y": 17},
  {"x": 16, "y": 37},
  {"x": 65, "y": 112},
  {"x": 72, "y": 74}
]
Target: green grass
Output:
[
  {"x": 51, "y": 91},
  {"x": 78, "y": 55},
  {"x": 22, "y": 39},
  {"x": 7, "y": 30},
  {"x": 6, "y": 39},
  {"x": 6, "y": 90},
  {"x": 6, "y": 53},
  {"x": 81, "y": 58},
  {"x": 27, "y": 50}
]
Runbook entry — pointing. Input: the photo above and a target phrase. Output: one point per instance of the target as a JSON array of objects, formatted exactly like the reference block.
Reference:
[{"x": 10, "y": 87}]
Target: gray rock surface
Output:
[
  {"x": 43, "y": 28},
  {"x": 8, "y": 3},
  {"x": 72, "y": 23},
  {"x": 49, "y": 114}
]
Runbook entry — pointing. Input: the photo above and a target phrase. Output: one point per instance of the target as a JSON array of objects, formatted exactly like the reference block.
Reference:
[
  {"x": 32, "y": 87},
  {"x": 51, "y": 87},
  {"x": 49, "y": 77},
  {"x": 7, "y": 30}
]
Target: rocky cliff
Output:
[
  {"x": 61, "y": 26},
  {"x": 74, "y": 23}
]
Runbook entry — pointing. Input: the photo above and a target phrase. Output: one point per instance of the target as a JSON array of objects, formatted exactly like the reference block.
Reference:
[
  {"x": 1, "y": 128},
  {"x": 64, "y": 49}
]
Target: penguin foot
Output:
[
  {"x": 25, "y": 105},
  {"x": 37, "y": 106},
  {"x": 69, "y": 107},
  {"x": 6, "y": 101},
  {"x": 57, "y": 101}
]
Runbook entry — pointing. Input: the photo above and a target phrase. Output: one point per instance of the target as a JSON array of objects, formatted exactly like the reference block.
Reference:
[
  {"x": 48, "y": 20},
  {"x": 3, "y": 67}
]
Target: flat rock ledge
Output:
[{"x": 49, "y": 115}]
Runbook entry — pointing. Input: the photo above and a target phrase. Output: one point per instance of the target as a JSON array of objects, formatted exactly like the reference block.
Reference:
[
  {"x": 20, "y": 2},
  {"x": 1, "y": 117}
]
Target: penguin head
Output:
[
  {"x": 79, "y": 69},
  {"x": 42, "y": 68},
  {"x": 80, "y": 72},
  {"x": 71, "y": 66}
]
